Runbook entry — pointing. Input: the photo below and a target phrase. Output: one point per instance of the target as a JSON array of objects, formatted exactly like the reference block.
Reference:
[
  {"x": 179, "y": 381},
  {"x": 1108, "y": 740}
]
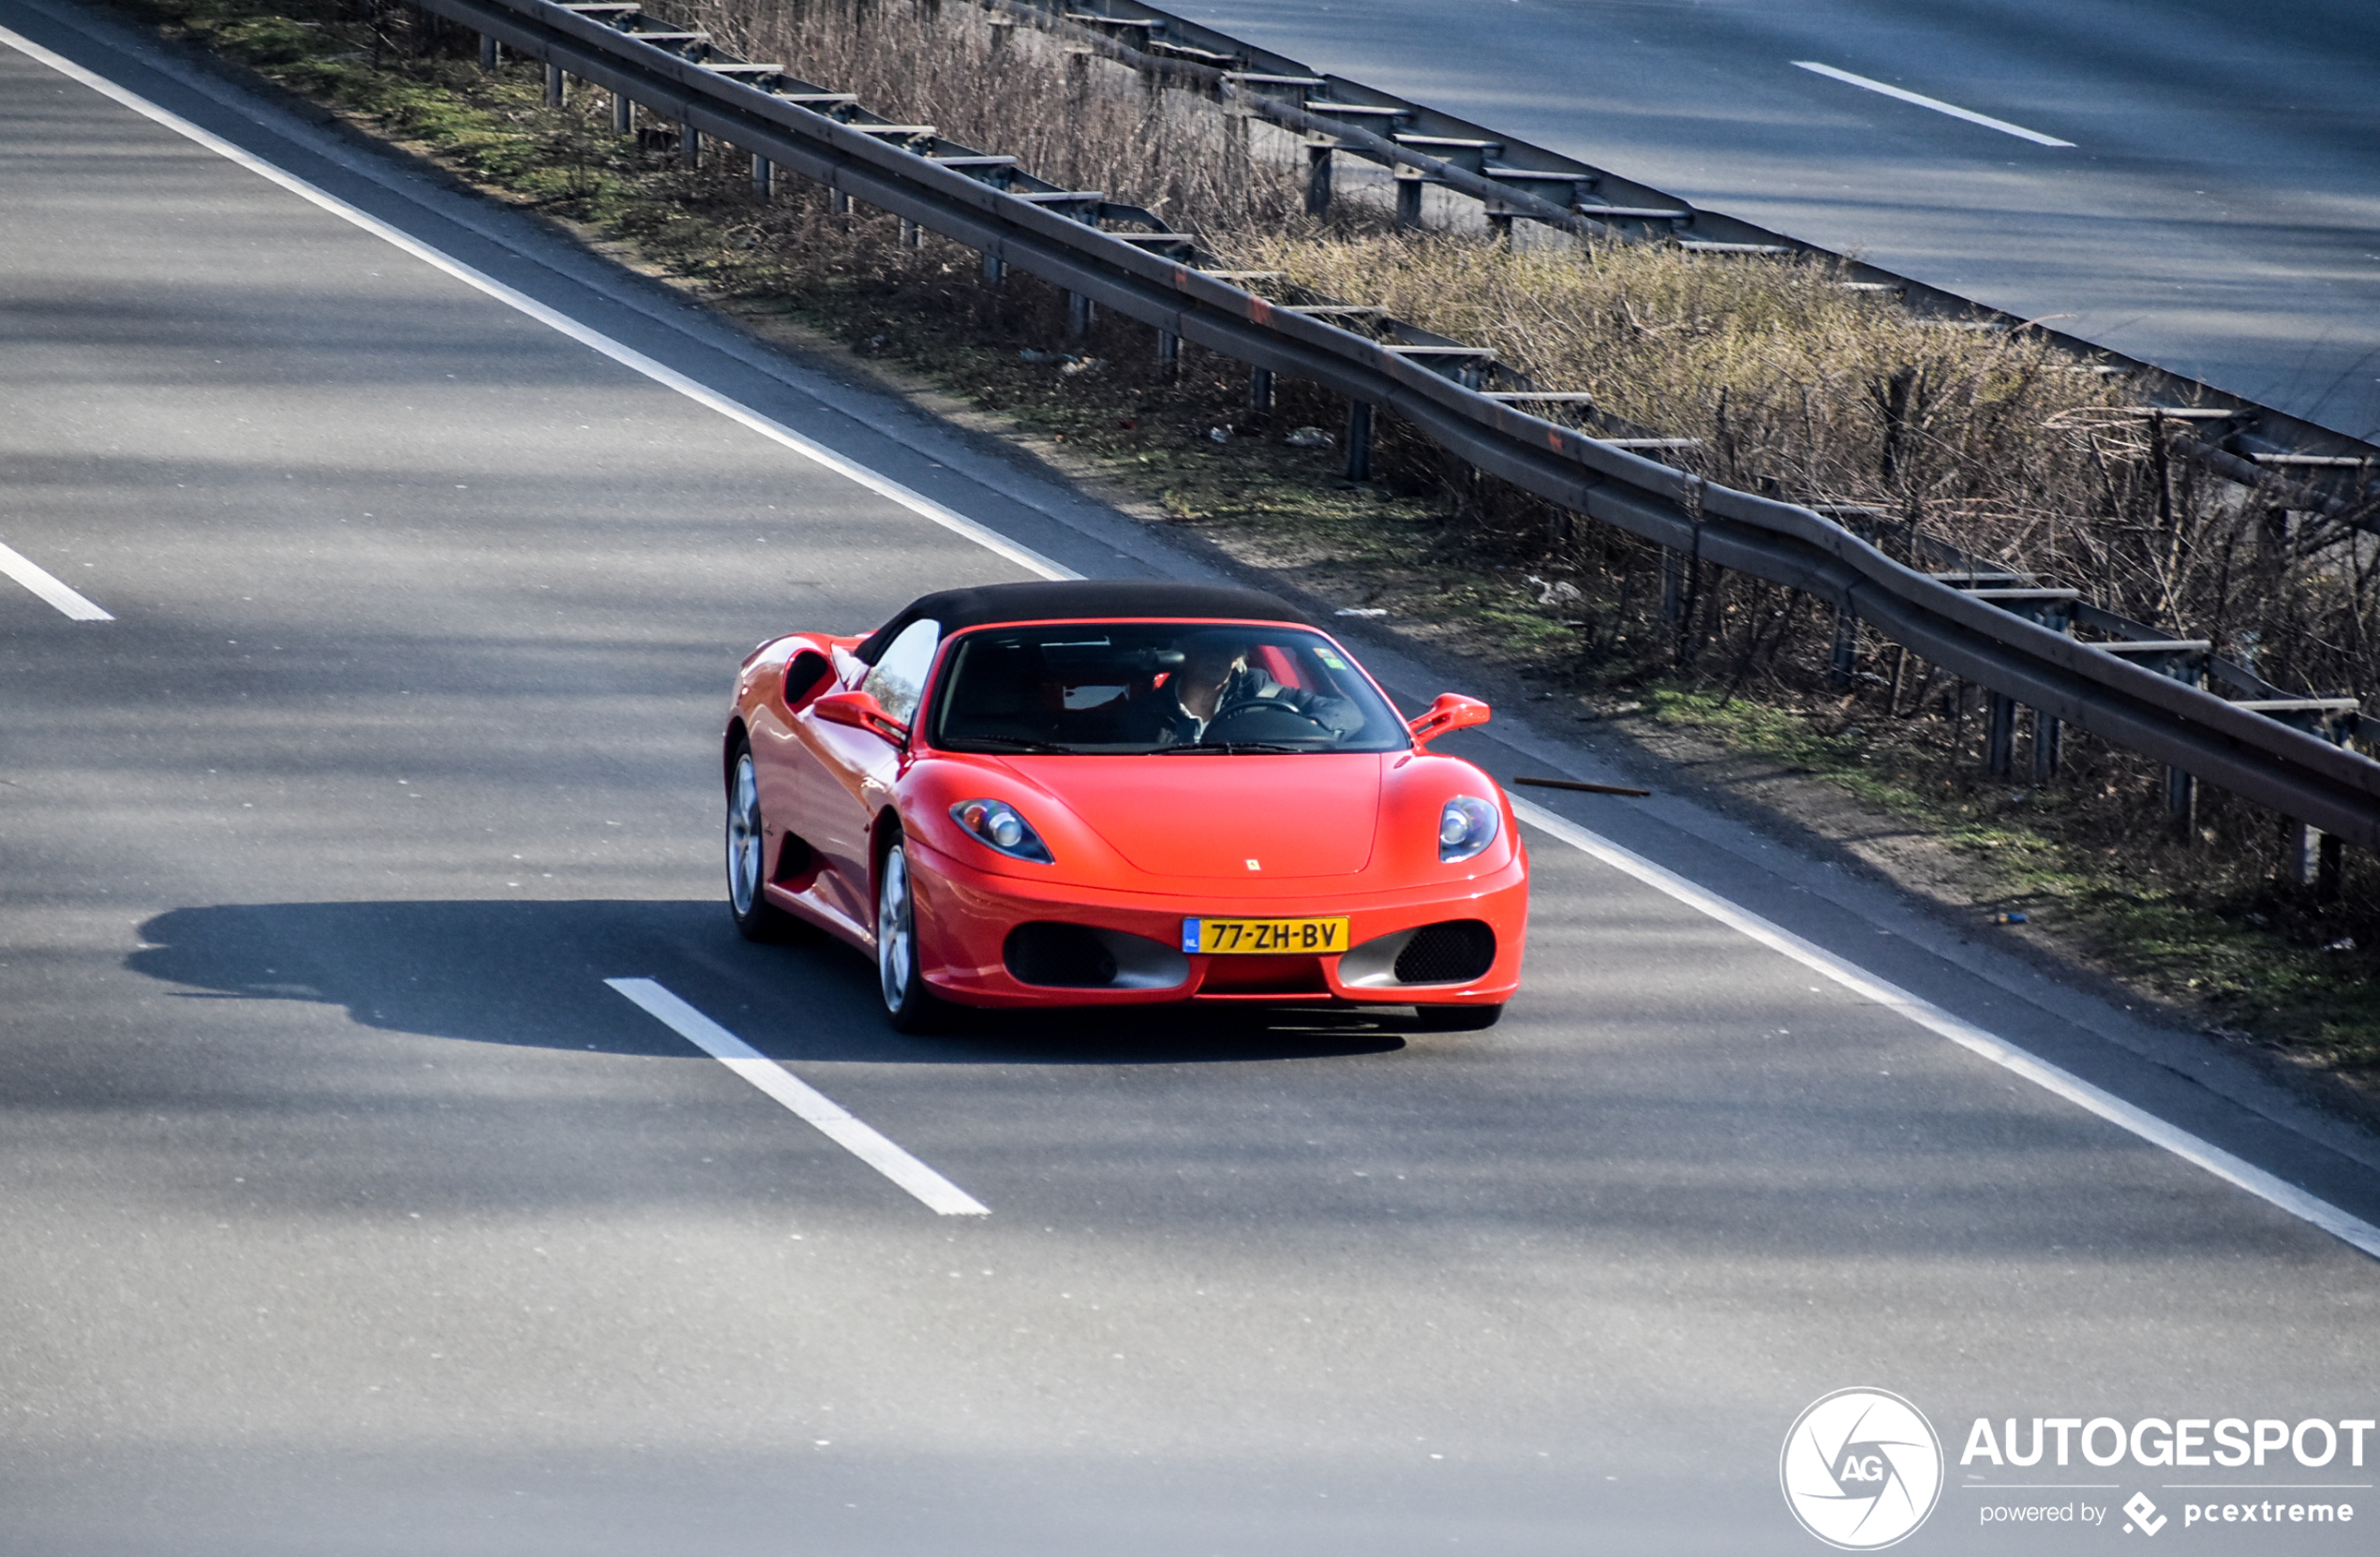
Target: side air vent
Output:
[
  {"x": 796, "y": 863},
  {"x": 1455, "y": 951}
]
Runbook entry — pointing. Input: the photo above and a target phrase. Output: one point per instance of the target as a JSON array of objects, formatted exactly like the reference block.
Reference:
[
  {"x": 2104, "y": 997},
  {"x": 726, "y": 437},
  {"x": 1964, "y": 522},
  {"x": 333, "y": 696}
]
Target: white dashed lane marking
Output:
[
  {"x": 42, "y": 582},
  {"x": 833, "y": 1120},
  {"x": 2019, "y": 131}
]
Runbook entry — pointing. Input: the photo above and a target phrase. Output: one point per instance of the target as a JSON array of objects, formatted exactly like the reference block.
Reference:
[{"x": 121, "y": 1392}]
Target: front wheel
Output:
[
  {"x": 757, "y": 917},
  {"x": 908, "y": 1003},
  {"x": 1458, "y": 1018}
]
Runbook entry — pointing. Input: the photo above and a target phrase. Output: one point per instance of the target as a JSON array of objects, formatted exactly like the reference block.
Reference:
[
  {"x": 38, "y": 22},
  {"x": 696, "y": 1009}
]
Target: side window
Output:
[{"x": 900, "y": 675}]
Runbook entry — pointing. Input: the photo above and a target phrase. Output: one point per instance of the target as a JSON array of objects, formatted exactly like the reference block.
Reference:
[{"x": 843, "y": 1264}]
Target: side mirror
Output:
[
  {"x": 861, "y": 711},
  {"x": 1451, "y": 711}
]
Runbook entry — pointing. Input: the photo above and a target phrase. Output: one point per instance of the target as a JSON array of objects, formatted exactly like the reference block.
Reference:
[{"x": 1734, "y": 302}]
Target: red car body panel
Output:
[{"x": 1140, "y": 843}]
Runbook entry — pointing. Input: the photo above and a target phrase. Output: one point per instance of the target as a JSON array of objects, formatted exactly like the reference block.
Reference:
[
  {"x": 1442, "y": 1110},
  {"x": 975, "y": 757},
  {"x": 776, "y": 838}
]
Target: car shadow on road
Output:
[{"x": 531, "y": 973}]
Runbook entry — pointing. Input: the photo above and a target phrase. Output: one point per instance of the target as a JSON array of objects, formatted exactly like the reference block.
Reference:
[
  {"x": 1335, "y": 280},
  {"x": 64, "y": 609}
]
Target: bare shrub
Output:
[
  {"x": 1991, "y": 442},
  {"x": 1067, "y": 114}
]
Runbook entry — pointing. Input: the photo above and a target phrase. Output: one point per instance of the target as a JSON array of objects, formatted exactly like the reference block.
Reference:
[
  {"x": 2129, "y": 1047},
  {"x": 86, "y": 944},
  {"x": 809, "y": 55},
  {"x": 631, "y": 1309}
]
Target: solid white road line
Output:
[
  {"x": 832, "y": 1120},
  {"x": 34, "y": 577},
  {"x": 1965, "y": 1034},
  {"x": 1935, "y": 103},
  {"x": 809, "y": 449}
]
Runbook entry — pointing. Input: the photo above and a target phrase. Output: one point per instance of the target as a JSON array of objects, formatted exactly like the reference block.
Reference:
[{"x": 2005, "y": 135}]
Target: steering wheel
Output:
[{"x": 1256, "y": 718}]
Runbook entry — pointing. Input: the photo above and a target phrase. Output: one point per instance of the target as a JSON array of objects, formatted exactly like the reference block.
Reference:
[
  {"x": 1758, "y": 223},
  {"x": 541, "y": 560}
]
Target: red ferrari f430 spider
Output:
[{"x": 1119, "y": 793}]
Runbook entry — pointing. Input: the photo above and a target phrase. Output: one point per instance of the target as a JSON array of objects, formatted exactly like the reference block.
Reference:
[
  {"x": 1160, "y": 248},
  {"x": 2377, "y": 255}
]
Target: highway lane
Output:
[
  {"x": 349, "y": 1210},
  {"x": 2218, "y": 214}
]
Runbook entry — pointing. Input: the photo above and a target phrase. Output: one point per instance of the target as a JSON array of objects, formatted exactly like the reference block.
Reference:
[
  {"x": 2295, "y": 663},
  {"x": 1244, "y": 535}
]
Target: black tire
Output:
[
  {"x": 756, "y": 918},
  {"x": 909, "y": 1005},
  {"x": 1458, "y": 1018}
]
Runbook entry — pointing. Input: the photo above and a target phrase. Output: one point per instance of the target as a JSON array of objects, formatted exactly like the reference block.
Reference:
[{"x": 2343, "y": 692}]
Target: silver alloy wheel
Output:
[
  {"x": 896, "y": 933},
  {"x": 744, "y": 839}
]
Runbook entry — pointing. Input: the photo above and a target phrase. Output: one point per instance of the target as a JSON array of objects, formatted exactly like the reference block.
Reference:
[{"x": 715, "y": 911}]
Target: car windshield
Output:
[{"x": 1183, "y": 688}]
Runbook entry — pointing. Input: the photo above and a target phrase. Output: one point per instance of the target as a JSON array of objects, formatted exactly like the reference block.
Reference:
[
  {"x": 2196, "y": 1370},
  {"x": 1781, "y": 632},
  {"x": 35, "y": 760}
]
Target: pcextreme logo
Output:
[{"x": 1862, "y": 1469}]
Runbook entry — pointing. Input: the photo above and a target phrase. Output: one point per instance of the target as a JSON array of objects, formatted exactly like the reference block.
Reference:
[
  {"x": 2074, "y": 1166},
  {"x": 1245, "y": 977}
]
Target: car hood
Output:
[{"x": 1246, "y": 819}]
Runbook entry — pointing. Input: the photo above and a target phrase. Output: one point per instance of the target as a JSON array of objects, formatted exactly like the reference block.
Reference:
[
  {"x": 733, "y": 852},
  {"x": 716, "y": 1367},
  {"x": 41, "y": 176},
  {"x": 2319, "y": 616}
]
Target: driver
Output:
[{"x": 1217, "y": 678}]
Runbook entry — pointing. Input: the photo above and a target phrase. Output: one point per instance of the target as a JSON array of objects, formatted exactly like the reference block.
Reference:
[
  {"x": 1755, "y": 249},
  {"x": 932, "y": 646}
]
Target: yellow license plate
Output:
[{"x": 1277, "y": 937}]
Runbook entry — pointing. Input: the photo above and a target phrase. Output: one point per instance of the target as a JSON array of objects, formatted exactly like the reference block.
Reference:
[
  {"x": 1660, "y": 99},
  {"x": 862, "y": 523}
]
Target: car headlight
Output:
[
  {"x": 1465, "y": 827},
  {"x": 996, "y": 825}
]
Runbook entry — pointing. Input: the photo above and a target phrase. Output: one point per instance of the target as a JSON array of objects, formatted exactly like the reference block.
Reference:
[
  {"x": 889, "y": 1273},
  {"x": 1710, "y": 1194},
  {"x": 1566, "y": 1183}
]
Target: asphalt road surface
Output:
[
  {"x": 2217, "y": 212},
  {"x": 345, "y": 1207}
]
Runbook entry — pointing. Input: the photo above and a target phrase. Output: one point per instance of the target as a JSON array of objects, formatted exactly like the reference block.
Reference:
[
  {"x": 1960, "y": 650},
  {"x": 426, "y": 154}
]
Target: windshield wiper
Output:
[
  {"x": 1005, "y": 743},
  {"x": 1226, "y": 747}
]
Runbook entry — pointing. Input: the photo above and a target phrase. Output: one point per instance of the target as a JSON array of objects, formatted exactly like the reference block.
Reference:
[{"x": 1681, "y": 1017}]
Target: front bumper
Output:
[{"x": 966, "y": 915}]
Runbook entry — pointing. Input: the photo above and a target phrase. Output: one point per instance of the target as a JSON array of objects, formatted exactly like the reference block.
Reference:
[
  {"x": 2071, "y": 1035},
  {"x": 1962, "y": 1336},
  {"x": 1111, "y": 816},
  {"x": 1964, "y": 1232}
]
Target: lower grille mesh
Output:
[{"x": 1455, "y": 950}]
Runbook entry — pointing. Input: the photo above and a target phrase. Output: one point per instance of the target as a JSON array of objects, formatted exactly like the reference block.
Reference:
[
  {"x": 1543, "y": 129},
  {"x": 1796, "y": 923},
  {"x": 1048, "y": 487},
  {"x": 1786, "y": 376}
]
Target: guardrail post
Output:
[
  {"x": 1672, "y": 587},
  {"x": 487, "y": 50},
  {"x": 623, "y": 114},
  {"x": 1317, "y": 176},
  {"x": 763, "y": 176},
  {"x": 1408, "y": 199},
  {"x": 1846, "y": 656},
  {"x": 1260, "y": 390},
  {"x": 912, "y": 235},
  {"x": 1168, "y": 350},
  {"x": 1999, "y": 736},
  {"x": 690, "y": 145},
  {"x": 556, "y": 85},
  {"x": 1359, "y": 441},
  {"x": 2049, "y": 736},
  {"x": 1079, "y": 313},
  {"x": 838, "y": 206},
  {"x": 2300, "y": 852},
  {"x": 2181, "y": 804},
  {"x": 994, "y": 271},
  {"x": 2311, "y": 857}
]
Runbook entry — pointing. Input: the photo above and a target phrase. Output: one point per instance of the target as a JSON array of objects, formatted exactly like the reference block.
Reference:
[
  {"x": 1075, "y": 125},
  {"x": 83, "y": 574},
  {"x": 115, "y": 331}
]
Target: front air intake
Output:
[
  {"x": 1455, "y": 950},
  {"x": 1064, "y": 956}
]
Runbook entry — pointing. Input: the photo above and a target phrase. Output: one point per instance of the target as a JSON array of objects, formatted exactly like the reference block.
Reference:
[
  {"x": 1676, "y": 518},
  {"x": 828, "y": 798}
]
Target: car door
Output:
[
  {"x": 783, "y": 765},
  {"x": 841, "y": 774}
]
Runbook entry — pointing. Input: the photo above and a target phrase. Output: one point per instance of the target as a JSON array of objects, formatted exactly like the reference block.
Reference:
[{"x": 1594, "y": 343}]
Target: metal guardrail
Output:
[
  {"x": 1515, "y": 180},
  {"x": 967, "y": 197}
]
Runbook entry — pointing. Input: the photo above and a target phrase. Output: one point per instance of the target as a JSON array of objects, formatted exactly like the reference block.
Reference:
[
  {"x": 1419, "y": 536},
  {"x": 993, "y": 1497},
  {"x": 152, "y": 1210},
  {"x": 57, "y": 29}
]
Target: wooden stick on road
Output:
[{"x": 1581, "y": 786}]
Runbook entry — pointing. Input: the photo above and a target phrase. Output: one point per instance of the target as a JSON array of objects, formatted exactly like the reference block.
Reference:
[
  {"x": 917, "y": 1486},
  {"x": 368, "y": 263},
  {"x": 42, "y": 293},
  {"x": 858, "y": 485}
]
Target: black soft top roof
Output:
[{"x": 1082, "y": 600}]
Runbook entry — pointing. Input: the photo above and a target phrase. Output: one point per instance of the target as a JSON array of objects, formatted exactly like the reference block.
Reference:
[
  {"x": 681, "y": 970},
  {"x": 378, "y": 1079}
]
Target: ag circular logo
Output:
[{"x": 1862, "y": 1469}]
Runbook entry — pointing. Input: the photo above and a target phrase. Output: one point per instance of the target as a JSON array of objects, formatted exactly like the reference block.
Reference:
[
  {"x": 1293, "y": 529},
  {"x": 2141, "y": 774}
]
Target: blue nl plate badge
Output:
[{"x": 1189, "y": 935}]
